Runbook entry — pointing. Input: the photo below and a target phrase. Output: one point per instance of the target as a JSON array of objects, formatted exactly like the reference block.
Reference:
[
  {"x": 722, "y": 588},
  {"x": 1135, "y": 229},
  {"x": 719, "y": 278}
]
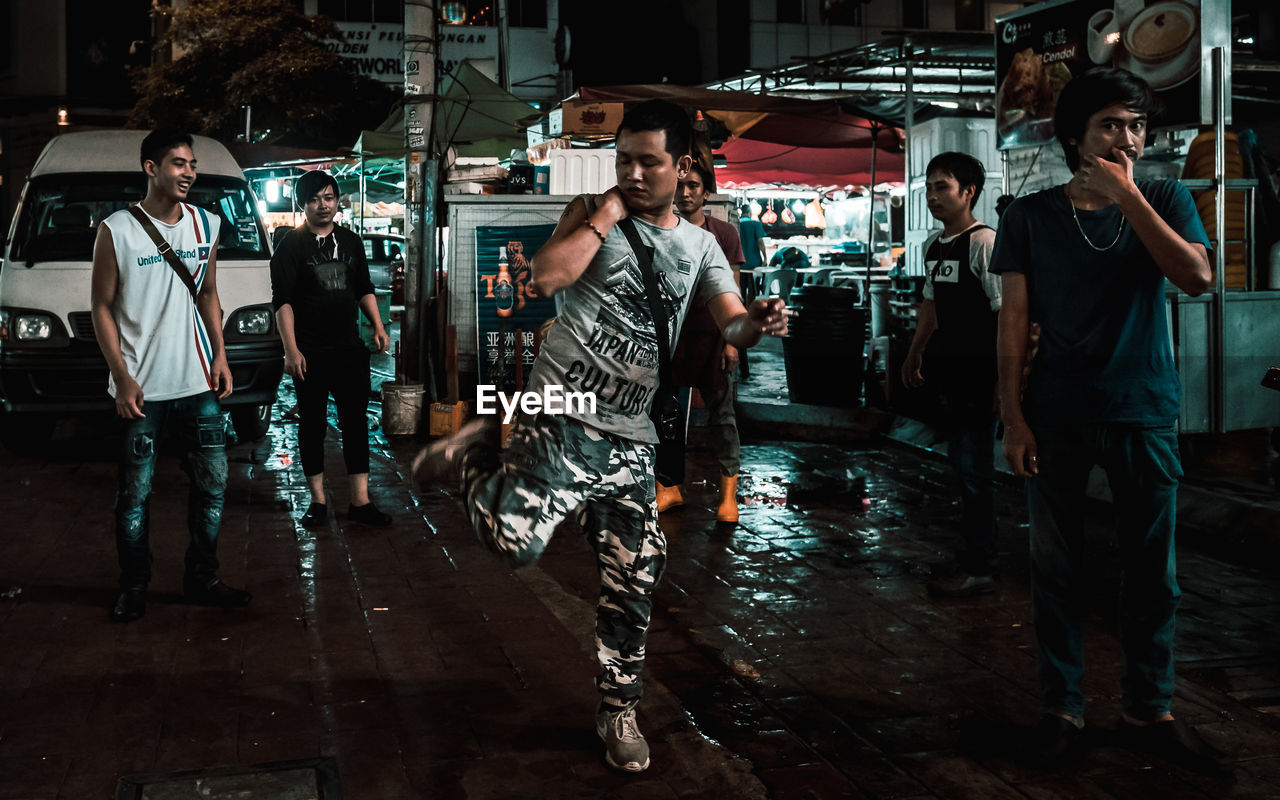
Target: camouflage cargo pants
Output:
[{"x": 552, "y": 467}]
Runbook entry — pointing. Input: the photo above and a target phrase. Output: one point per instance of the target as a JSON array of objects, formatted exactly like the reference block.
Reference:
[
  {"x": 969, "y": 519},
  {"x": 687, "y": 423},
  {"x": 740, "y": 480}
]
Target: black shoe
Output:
[
  {"x": 130, "y": 604},
  {"x": 317, "y": 514},
  {"x": 368, "y": 514},
  {"x": 1177, "y": 742},
  {"x": 214, "y": 593},
  {"x": 962, "y": 584},
  {"x": 1056, "y": 740}
]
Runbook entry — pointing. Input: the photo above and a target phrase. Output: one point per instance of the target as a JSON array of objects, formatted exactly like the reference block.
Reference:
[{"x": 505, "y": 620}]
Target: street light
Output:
[{"x": 454, "y": 13}]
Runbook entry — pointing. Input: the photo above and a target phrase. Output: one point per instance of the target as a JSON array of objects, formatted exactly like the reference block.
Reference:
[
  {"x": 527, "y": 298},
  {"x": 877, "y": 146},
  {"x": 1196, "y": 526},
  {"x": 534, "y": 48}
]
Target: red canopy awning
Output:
[
  {"x": 752, "y": 163},
  {"x": 781, "y": 120}
]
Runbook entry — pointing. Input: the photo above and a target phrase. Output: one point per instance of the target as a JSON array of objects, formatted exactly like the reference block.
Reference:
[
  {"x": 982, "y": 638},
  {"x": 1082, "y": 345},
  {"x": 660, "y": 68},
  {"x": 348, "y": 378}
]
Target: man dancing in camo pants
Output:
[{"x": 604, "y": 343}]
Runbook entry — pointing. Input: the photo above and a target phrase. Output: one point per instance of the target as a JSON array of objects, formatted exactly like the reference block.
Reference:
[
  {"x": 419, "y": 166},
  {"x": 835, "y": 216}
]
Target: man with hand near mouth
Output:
[
  {"x": 161, "y": 335},
  {"x": 605, "y": 340},
  {"x": 1089, "y": 262}
]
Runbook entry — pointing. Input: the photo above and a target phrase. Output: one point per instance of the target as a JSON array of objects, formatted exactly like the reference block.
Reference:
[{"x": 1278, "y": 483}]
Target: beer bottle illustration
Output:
[{"x": 504, "y": 292}]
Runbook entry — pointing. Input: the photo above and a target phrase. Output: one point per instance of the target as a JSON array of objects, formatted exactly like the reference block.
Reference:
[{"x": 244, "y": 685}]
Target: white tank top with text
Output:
[{"x": 162, "y": 337}]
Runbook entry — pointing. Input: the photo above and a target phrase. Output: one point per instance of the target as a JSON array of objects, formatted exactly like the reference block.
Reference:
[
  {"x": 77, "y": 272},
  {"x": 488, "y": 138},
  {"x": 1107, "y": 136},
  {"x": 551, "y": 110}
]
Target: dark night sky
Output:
[{"x": 636, "y": 42}]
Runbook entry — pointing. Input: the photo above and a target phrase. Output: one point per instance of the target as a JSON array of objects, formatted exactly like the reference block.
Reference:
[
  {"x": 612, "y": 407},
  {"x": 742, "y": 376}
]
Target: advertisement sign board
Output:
[
  {"x": 1039, "y": 49},
  {"x": 377, "y": 49},
  {"x": 507, "y": 312}
]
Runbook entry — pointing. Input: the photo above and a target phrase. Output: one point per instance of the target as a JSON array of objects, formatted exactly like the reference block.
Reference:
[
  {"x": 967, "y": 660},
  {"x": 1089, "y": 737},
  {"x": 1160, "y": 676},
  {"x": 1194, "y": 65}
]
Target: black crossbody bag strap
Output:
[
  {"x": 644, "y": 257},
  {"x": 166, "y": 250},
  {"x": 668, "y": 464}
]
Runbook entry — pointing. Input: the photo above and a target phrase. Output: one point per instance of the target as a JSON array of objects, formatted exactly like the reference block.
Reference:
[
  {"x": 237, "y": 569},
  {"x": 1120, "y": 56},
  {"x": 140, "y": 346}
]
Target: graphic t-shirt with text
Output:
[{"x": 604, "y": 340}]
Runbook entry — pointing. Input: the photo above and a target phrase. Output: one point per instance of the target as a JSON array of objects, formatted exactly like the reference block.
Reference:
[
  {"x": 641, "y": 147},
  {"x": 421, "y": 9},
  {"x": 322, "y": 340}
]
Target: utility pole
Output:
[
  {"x": 420, "y": 49},
  {"x": 504, "y": 46}
]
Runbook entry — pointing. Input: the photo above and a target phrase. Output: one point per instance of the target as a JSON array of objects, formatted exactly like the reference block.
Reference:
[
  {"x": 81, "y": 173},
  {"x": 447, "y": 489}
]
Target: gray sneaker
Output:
[
  {"x": 962, "y": 584},
  {"x": 624, "y": 746},
  {"x": 441, "y": 461}
]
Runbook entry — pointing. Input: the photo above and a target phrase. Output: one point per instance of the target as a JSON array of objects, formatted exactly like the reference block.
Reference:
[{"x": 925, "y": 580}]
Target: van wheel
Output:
[
  {"x": 251, "y": 422},
  {"x": 26, "y": 435}
]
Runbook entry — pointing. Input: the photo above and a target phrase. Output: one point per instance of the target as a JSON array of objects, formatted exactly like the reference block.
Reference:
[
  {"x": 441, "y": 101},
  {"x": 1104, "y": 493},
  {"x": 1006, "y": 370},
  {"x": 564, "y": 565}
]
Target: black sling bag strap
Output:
[
  {"x": 665, "y": 411},
  {"x": 166, "y": 250},
  {"x": 644, "y": 257}
]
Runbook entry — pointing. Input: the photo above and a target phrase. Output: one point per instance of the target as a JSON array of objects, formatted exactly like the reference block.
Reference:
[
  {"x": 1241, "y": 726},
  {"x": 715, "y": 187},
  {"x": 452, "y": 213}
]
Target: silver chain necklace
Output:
[{"x": 1079, "y": 227}]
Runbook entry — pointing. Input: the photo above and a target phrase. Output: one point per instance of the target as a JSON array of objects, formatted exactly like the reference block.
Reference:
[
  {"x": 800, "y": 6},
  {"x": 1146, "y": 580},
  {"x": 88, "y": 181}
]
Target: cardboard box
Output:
[
  {"x": 578, "y": 118},
  {"x": 447, "y": 418}
]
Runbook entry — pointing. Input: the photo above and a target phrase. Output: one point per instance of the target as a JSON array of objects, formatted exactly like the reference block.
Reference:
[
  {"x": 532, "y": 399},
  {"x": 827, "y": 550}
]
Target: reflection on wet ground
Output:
[
  {"x": 818, "y": 654},
  {"x": 795, "y": 654}
]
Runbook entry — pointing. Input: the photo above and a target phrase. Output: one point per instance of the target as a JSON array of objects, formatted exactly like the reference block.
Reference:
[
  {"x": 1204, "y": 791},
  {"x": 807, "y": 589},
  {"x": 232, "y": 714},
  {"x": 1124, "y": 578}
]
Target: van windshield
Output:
[{"x": 60, "y": 214}]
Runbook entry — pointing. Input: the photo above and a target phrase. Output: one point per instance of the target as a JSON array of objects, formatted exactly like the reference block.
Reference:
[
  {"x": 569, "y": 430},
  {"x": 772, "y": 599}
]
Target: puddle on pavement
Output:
[{"x": 846, "y": 489}]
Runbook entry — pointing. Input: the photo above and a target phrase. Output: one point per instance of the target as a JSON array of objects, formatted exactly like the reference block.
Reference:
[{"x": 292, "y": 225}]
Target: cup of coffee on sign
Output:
[{"x": 1102, "y": 36}]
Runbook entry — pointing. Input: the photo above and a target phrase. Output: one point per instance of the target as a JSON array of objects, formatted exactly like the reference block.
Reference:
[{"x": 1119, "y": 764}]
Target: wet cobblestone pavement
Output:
[{"x": 796, "y": 655}]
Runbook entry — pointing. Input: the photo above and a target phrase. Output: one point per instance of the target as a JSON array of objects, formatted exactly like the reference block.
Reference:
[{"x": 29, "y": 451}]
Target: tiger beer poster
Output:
[
  {"x": 1041, "y": 48},
  {"x": 507, "y": 313}
]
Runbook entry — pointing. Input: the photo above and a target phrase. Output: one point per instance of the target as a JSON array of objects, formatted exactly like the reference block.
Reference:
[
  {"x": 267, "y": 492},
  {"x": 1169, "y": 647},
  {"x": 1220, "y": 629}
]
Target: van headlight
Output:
[
  {"x": 253, "y": 322},
  {"x": 32, "y": 327}
]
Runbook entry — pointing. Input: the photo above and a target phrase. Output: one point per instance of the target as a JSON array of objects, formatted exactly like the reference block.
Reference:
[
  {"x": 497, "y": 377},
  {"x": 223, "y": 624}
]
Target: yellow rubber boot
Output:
[
  {"x": 728, "y": 508},
  {"x": 669, "y": 497}
]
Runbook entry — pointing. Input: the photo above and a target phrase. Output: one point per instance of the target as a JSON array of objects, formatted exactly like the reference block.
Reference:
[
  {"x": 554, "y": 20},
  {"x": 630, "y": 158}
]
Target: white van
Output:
[{"x": 50, "y": 364}]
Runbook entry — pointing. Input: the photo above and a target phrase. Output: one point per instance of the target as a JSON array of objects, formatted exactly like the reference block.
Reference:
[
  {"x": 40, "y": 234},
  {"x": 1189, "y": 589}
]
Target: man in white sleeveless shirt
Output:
[{"x": 163, "y": 344}]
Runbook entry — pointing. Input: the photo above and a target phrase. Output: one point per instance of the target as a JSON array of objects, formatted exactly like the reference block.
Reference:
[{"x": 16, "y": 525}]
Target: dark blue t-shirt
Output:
[
  {"x": 751, "y": 231},
  {"x": 1105, "y": 353}
]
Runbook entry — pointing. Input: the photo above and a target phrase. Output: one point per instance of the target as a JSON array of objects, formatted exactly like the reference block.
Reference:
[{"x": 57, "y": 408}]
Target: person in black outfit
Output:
[
  {"x": 961, "y": 304},
  {"x": 319, "y": 283}
]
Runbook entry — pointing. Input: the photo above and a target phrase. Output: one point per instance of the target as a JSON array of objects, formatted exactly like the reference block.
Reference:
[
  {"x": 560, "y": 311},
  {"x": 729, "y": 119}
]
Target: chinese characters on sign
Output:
[
  {"x": 508, "y": 313},
  {"x": 1039, "y": 50}
]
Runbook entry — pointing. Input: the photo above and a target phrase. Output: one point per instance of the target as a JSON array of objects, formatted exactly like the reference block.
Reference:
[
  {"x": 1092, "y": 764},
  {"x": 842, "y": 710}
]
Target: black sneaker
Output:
[
  {"x": 1177, "y": 742},
  {"x": 130, "y": 604},
  {"x": 214, "y": 593},
  {"x": 368, "y": 514},
  {"x": 317, "y": 515},
  {"x": 962, "y": 584},
  {"x": 1056, "y": 740}
]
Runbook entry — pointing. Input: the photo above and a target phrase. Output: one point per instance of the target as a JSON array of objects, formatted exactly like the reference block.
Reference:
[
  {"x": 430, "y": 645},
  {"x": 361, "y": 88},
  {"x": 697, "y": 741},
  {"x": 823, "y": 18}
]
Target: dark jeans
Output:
[
  {"x": 199, "y": 427},
  {"x": 718, "y": 396},
  {"x": 1142, "y": 467},
  {"x": 970, "y": 426},
  {"x": 344, "y": 374}
]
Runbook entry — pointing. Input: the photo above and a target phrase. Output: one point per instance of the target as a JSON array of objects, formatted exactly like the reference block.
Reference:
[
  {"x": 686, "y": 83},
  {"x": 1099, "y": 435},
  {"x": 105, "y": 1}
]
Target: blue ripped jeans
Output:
[{"x": 199, "y": 428}]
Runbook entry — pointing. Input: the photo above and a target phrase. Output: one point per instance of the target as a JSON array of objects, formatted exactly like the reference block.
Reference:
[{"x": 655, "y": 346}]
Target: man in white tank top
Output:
[{"x": 164, "y": 349}]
